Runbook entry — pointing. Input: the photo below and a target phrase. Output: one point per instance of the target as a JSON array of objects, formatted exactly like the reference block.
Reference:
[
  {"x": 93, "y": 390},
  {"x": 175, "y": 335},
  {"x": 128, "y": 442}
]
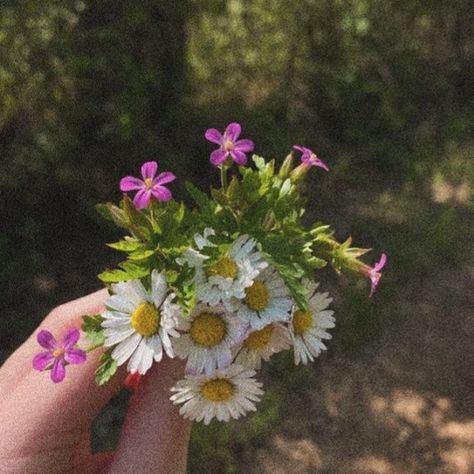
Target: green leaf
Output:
[
  {"x": 91, "y": 326},
  {"x": 113, "y": 213},
  {"x": 200, "y": 198},
  {"x": 129, "y": 271},
  {"x": 141, "y": 254},
  {"x": 128, "y": 245},
  {"x": 106, "y": 369}
]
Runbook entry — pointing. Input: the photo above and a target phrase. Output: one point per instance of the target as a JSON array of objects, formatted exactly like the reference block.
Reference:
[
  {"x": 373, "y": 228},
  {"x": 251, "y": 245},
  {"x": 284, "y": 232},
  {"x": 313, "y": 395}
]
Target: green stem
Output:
[{"x": 224, "y": 177}]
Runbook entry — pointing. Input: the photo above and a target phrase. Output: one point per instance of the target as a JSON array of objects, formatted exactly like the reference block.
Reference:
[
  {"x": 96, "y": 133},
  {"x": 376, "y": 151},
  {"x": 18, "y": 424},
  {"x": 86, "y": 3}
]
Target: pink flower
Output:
[
  {"x": 229, "y": 145},
  {"x": 58, "y": 354},
  {"x": 308, "y": 157},
  {"x": 151, "y": 186},
  {"x": 374, "y": 273}
]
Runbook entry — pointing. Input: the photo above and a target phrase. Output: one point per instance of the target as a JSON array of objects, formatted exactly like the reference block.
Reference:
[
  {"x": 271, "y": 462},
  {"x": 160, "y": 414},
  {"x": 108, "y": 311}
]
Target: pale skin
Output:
[{"x": 45, "y": 427}]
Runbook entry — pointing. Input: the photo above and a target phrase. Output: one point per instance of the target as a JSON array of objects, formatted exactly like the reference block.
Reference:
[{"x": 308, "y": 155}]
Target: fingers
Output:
[
  {"x": 62, "y": 317},
  {"x": 155, "y": 437},
  {"x": 41, "y": 420}
]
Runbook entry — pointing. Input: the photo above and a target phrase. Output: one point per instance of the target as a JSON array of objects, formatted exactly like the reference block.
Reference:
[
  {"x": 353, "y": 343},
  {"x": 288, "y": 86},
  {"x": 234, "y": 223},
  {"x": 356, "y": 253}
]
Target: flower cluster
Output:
[{"x": 223, "y": 286}]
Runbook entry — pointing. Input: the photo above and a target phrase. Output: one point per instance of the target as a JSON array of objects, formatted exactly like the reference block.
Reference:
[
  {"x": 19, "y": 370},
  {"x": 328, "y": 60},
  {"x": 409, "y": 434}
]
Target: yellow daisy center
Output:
[
  {"x": 259, "y": 339},
  {"x": 145, "y": 319},
  {"x": 208, "y": 329},
  {"x": 149, "y": 183},
  {"x": 217, "y": 390},
  {"x": 228, "y": 145},
  {"x": 257, "y": 296},
  {"x": 302, "y": 322},
  {"x": 224, "y": 267}
]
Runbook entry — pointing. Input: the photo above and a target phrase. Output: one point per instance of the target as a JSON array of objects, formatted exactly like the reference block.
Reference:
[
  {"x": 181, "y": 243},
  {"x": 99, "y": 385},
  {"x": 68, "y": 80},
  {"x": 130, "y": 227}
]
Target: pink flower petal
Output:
[
  {"x": 163, "y": 178},
  {"x": 218, "y": 157},
  {"x": 161, "y": 193},
  {"x": 244, "y": 145},
  {"x": 299, "y": 148},
  {"x": 239, "y": 157},
  {"x": 320, "y": 163},
  {"x": 129, "y": 183},
  {"x": 142, "y": 198},
  {"x": 70, "y": 338},
  {"x": 214, "y": 136},
  {"x": 149, "y": 169},
  {"x": 58, "y": 372},
  {"x": 75, "y": 356},
  {"x": 42, "y": 360},
  {"x": 232, "y": 131},
  {"x": 47, "y": 340},
  {"x": 381, "y": 263}
]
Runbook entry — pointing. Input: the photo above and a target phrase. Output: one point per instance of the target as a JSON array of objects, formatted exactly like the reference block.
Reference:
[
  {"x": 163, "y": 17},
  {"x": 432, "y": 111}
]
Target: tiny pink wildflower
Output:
[
  {"x": 374, "y": 274},
  {"x": 58, "y": 354},
  {"x": 151, "y": 186},
  {"x": 308, "y": 157},
  {"x": 229, "y": 145}
]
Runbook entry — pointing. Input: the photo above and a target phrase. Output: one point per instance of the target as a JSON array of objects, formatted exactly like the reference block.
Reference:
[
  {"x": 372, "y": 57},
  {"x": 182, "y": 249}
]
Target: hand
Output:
[{"x": 45, "y": 427}]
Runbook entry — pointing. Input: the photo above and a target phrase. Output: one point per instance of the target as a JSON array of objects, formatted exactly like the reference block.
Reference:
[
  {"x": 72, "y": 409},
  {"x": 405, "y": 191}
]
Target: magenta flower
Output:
[
  {"x": 58, "y": 354},
  {"x": 308, "y": 157},
  {"x": 229, "y": 145},
  {"x": 151, "y": 186},
  {"x": 373, "y": 273}
]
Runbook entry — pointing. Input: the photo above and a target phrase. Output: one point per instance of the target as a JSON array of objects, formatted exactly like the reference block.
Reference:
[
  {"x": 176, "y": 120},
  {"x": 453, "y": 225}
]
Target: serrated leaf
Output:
[
  {"x": 141, "y": 254},
  {"x": 91, "y": 326},
  {"x": 125, "y": 245},
  {"x": 106, "y": 369},
  {"x": 113, "y": 213},
  {"x": 220, "y": 197},
  {"x": 128, "y": 272},
  {"x": 200, "y": 198}
]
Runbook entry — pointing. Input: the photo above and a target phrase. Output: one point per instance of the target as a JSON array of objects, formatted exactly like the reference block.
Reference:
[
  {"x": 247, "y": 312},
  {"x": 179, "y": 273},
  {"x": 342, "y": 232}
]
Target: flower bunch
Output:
[{"x": 223, "y": 285}]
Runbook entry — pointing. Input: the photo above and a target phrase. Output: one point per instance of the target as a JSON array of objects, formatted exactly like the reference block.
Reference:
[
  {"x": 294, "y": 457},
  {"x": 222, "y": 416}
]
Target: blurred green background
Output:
[{"x": 382, "y": 90}]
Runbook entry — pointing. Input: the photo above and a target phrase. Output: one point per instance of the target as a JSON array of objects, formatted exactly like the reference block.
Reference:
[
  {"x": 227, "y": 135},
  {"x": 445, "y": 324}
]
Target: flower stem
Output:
[{"x": 224, "y": 177}]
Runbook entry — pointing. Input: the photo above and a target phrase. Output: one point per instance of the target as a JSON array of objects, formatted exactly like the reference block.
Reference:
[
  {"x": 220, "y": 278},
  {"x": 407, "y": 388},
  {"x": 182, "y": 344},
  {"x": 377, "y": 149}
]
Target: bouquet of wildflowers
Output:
[{"x": 223, "y": 285}]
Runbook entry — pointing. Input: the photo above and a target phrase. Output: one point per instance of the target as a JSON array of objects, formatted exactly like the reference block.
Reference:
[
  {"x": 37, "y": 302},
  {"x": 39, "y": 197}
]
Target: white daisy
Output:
[
  {"x": 262, "y": 344},
  {"x": 308, "y": 328},
  {"x": 226, "y": 394},
  {"x": 210, "y": 334},
  {"x": 139, "y": 324},
  {"x": 265, "y": 301},
  {"x": 222, "y": 278}
]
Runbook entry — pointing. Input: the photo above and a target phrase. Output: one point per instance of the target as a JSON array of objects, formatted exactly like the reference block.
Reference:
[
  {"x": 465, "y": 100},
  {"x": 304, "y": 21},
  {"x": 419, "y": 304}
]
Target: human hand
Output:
[{"x": 45, "y": 427}]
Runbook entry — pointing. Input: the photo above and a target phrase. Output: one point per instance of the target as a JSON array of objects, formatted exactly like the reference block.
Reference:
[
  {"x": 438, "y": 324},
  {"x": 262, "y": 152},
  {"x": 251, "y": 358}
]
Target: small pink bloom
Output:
[
  {"x": 151, "y": 186},
  {"x": 308, "y": 157},
  {"x": 229, "y": 145},
  {"x": 373, "y": 273},
  {"x": 58, "y": 354}
]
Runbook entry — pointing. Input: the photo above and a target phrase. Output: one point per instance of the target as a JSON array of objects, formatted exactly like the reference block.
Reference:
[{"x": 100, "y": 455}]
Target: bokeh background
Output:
[{"x": 381, "y": 89}]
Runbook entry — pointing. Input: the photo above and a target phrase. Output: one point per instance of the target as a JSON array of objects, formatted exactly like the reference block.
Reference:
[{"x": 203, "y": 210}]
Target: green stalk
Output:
[{"x": 224, "y": 177}]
